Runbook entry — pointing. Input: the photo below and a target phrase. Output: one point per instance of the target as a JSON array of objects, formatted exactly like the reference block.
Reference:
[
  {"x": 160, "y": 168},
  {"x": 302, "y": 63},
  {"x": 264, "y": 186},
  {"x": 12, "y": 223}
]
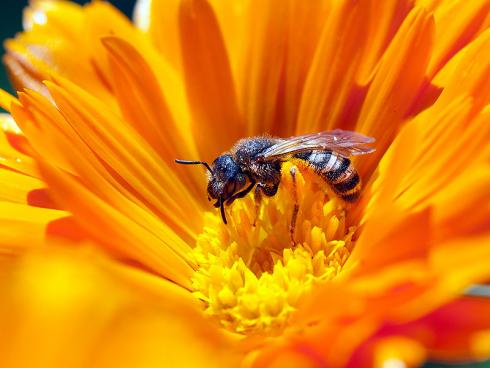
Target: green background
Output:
[{"x": 11, "y": 23}]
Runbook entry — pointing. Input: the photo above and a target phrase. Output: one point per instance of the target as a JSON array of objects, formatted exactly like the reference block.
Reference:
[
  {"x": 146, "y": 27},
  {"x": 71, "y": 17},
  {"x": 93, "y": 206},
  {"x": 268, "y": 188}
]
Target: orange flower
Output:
[{"x": 103, "y": 109}]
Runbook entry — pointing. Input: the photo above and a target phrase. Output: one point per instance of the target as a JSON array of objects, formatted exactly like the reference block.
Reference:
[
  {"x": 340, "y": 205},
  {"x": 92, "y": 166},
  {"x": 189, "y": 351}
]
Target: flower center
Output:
[{"x": 251, "y": 277}]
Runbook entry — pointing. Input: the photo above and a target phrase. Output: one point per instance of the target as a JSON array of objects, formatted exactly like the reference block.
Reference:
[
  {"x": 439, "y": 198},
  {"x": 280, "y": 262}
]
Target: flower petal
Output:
[
  {"x": 125, "y": 152},
  {"x": 115, "y": 316},
  {"x": 13, "y": 148},
  {"x": 385, "y": 19},
  {"x": 453, "y": 33},
  {"x": 48, "y": 48},
  {"x": 146, "y": 240},
  {"x": 259, "y": 68},
  {"x": 327, "y": 89},
  {"x": 159, "y": 19},
  {"x": 442, "y": 153},
  {"x": 142, "y": 103},
  {"x": 395, "y": 86},
  {"x": 16, "y": 186},
  {"x": 358, "y": 325},
  {"x": 100, "y": 194},
  {"x": 24, "y": 226},
  {"x": 210, "y": 88},
  {"x": 6, "y": 100},
  {"x": 305, "y": 23}
]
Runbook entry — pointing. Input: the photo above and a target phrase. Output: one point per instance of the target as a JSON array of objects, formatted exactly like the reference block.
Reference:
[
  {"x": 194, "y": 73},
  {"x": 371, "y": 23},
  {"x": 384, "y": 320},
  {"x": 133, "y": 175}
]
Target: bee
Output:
[{"x": 256, "y": 163}]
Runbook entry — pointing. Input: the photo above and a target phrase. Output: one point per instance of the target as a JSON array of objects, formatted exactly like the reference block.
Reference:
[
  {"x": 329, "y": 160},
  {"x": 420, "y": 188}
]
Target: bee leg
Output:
[
  {"x": 268, "y": 190},
  {"x": 258, "y": 200},
  {"x": 241, "y": 194},
  {"x": 294, "y": 217}
]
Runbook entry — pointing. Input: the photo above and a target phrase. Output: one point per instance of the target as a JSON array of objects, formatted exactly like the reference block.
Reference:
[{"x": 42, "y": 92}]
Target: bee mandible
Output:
[{"x": 256, "y": 162}]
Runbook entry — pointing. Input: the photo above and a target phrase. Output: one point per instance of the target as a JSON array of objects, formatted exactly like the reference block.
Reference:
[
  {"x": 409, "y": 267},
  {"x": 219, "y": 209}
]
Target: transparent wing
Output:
[{"x": 343, "y": 142}]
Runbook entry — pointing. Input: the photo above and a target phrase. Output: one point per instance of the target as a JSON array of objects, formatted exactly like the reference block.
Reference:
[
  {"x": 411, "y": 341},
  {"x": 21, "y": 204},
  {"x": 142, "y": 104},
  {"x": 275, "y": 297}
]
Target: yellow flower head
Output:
[{"x": 112, "y": 249}]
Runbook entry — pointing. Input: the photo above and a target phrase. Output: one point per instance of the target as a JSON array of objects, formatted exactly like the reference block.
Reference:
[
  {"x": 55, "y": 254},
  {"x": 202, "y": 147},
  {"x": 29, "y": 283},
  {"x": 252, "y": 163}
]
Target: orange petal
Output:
[
  {"x": 396, "y": 83},
  {"x": 438, "y": 163},
  {"x": 459, "y": 198},
  {"x": 453, "y": 33},
  {"x": 140, "y": 97},
  {"x": 466, "y": 74},
  {"x": 129, "y": 156},
  {"x": 210, "y": 88},
  {"x": 359, "y": 320},
  {"x": 451, "y": 332},
  {"x": 150, "y": 242},
  {"x": 328, "y": 89},
  {"x": 104, "y": 196},
  {"x": 305, "y": 22},
  {"x": 384, "y": 20},
  {"x": 388, "y": 239},
  {"x": 439, "y": 160},
  {"x": 260, "y": 65},
  {"x": 159, "y": 19},
  {"x": 102, "y": 20},
  {"x": 38, "y": 119},
  {"x": 141, "y": 100},
  {"x": 396, "y": 350}
]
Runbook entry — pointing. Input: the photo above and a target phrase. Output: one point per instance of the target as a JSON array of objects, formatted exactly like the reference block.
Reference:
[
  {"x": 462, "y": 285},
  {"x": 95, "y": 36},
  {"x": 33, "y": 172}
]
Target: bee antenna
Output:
[
  {"x": 185, "y": 162},
  {"x": 223, "y": 214}
]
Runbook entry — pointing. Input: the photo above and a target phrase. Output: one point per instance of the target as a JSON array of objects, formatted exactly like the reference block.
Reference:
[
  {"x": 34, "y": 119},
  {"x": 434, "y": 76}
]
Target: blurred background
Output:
[{"x": 11, "y": 23}]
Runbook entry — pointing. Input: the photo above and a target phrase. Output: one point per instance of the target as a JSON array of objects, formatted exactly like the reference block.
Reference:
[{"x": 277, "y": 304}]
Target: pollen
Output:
[{"x": 252, "y": 273}]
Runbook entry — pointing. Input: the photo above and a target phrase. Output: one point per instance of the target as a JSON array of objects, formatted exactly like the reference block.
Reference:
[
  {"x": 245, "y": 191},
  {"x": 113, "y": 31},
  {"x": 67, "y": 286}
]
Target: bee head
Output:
[{"x": 225, "y": 179}]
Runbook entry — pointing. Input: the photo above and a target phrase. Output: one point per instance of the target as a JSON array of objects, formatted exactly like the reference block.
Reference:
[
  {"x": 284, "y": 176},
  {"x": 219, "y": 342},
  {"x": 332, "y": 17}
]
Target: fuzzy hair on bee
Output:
[{"x": 255, "y": 163}]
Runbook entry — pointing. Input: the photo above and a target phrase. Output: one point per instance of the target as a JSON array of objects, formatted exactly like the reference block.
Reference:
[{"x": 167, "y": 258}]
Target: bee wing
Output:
[{"x": 343, "y": 142}]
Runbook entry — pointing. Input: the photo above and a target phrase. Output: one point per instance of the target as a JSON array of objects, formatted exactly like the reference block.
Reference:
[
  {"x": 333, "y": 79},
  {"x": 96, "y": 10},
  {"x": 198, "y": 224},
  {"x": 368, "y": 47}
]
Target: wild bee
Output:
[{"x": 256, "y": 162}]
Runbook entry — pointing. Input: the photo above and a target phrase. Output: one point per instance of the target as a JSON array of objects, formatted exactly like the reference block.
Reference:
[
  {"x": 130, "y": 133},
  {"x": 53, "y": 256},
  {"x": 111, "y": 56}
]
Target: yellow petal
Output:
[
  {"x": 78, "y": 296},
  {"x": 13, "y": 148},
  {"x": 16, "y": 186},
  {"x": 24, "y": 226},
  {"x": 61, "y": 17},
  {"x": 6, "y": 100}
]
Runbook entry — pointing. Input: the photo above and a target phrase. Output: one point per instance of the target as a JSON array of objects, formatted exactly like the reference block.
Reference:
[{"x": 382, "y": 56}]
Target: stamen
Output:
[{"x": 252, "y": 278}]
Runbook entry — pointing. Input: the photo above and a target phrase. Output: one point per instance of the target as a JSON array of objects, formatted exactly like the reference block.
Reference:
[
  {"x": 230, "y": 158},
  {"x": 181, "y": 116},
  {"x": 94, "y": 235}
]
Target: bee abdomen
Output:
[{"x": 337, "y": 171}]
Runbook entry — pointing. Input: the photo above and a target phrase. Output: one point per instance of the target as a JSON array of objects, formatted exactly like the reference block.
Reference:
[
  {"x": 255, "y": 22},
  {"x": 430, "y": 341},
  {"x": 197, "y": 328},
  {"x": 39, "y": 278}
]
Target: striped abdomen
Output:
[{"x": 336, "y": 170}]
